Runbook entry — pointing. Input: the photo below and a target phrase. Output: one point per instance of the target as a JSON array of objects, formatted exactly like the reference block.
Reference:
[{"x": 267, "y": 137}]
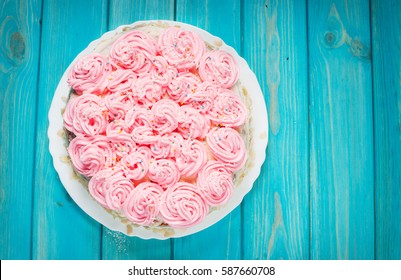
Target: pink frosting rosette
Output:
[
  {"x": 165, "y": 114},
  {"x": 162, "y": 72},
  {"x": 191, "y": 158},
  {"x": 183, "y": 86},
  {"x": 182, "y": 49},
  {"x": 116, "y": 128},
  {"x": 164, "y": 172},
  {"x": 161, "y": 148},
  {"x": 135, "y": 165},
  {"x": 144, "y": 150},
  {"x": 117, "y": 104},
  {"x": 110, "y": 188},
  {"x": 191, "y": 124},
  {"x": 144, "y": 135},
  {"x": 215, "y": 182},
  {"x": 134, "y": 51},
  {"x": 122, "y": 144},
  {"x": 167, "y": 146},
  {"x": 220, "y": 68},
  {"x": 90, "y": 155},
  {"x": 88, "y": 74},
  {"x": 228, "y": 109},
  {"x": 85, "y": 115},
  {"x": 137, "y": 116},
  {"x": 176, "y": 141},
  {"x": 183, "y": 206},
  {"x": 203, "y": 98},
  {"x": 228, "y": 146},
  {"x": 120, "y": 80},
  {"x": 143, "y": 204},
  {"x": 147, "y": 91}
]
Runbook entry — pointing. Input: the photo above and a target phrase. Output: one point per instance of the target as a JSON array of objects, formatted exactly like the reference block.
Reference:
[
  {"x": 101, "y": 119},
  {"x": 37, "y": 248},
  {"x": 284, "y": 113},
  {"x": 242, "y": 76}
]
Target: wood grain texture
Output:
[
  {"x": 222, "y": 19},
  {"x": 276, "y": 212},
  {"x": 341, "y": 130},
  {"x": 126, "y": 11},
  {"x": 386, "y": 45},
  {"x": 19, "y": 61},
  {"x": 61, "y": 230},
  {"x": 116, "y": 245}
]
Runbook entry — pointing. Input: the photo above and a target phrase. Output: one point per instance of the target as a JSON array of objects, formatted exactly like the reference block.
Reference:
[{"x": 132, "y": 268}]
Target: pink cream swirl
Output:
[
  {"x": 135, "y": 165},
  {"x": 161, "y": 71},
  {"x": 183, "y": 86},
  {"x": 176, "y": 141},
  {"x": 215, "y": 182},
  {"x": 88, "y": 75},
  {"x": 144, "y": 135},
  {"x": 220, "y": 68},
  {"x": 191, "y": 158},
  {"x": 145, "y": 151},
  {"x": 90, "y": 155},
  {"x": 203, "y": 98},
  {"x": 183, "y": 206},
  {"x": 182, "y": 49},
  {"x": 228, "y": 146},
  {"x": 85, "y": 115},
  {"x": 147, "y": 91},
  {"x": 116, "y": 128},
  {"x": 110, "y": 188},
  {"x": 143, "y": 204},
  {"x": 167, "y": 146},
  {"x": 138, "y": 116},
  {"x": 191, "y": 124},
  {"x": 122, "y": 144},
  {"x": 164, "y": 172},
  {"x": 117, "y": 105},
  {"x": 161, "y": 148},
  {"x": 165, "y": 113},
  {"x": 120, "y": 80},
  {"x": 134, "y": 51},
  {"x": 228, "y": 109}
]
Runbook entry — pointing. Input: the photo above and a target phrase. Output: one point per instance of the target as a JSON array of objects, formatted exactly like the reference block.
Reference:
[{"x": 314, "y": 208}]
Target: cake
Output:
[{"x": 154, "y": 126}]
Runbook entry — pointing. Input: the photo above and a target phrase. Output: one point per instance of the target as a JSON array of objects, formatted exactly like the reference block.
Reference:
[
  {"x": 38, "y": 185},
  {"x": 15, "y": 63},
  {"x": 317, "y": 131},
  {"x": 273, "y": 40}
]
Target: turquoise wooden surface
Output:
[
  {"x": 330, "y": 72},
  {"x": 19, "y": 64},
  {"x": 62, "y": 38},
  {"x": 386, "y": 59},
  {"x": 341, "y": 130},
  {"x": 276, "y": 212}
]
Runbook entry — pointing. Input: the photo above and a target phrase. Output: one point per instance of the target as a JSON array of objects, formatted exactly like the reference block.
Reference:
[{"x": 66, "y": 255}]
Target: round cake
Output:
[{"x": 155, "y": 124}]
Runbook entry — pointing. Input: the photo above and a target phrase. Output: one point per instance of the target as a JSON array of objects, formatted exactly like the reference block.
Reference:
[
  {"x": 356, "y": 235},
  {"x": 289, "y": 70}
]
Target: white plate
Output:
[{"x": 258, "y": 136}]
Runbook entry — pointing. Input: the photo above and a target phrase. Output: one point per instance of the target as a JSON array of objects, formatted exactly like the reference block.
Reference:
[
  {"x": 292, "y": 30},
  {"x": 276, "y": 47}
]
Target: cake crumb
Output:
[
  {"x": 61, "y": 133},
  {"x": 169, "y": 233},
  {"x": 65, "y": 159},
  {"x": 129, "y": 230},
  {"x": 218, "y": 43}
]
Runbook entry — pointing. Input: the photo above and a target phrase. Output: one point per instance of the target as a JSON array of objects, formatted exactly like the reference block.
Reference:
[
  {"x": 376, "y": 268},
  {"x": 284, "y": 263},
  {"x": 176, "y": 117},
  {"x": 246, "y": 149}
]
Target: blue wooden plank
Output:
[
  {"x": 222, "y": 19},
  {"x": 386, "y": 50},
  {"x": 19, "y": 45},
  {"x": 61, "y": 230},
  {"x": 116, "y": 245},
  {"x": 276, "y": 212},
  {"x": 341, "y": 130},
  {"x": 126, "y": 11}
]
